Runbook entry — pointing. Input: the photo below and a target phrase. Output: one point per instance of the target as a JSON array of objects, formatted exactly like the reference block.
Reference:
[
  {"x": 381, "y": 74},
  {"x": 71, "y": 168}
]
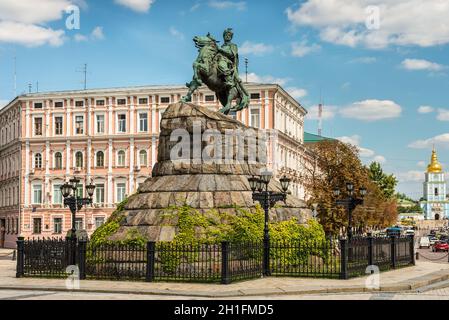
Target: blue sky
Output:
[{"x": 384, "y": 86}]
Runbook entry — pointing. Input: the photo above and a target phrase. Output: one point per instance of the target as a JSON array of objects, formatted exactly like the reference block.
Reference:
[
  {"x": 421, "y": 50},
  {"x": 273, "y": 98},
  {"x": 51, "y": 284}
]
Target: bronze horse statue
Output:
[{"x": 205, "y": 70}]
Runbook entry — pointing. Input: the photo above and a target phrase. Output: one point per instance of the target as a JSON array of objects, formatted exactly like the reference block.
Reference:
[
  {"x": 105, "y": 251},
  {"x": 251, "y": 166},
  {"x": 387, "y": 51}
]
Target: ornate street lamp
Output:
[
  {"x": 267, "y": 199},
  {"x": 71, "y": 200},
  {"x": 350, "y": 202}
]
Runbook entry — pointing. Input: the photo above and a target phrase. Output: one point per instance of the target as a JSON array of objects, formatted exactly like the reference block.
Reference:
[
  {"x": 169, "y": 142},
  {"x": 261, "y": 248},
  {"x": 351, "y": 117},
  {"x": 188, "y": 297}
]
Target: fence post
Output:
[
  {"x": 370, "y": 250},
  {"x": 225, "y": 263},
  {"x": 20, "y": 257},
  {"x": 393, "y": 251},
  {"x": 151, "y": 250},
  {"x": 343, "y": 258},
  {"x": 82, "y": 244},
  {"x": 412, "y": 249}
]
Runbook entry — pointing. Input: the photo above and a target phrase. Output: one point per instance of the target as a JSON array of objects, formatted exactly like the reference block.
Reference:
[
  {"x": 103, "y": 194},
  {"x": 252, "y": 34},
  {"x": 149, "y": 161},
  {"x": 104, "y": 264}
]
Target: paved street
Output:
[{"x": 438, "y": 294}]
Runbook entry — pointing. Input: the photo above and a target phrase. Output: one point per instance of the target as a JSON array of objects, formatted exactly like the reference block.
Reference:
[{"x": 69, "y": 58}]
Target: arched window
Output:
[
  {"x": 58, "y": 160},
  {"x": 38, "y": 161},
  {"x": 143, "y": 158},
  {"x": 79, "y": 159},
  {"x": 100, "y": 159},
  {"x": 121, "y": 158}
]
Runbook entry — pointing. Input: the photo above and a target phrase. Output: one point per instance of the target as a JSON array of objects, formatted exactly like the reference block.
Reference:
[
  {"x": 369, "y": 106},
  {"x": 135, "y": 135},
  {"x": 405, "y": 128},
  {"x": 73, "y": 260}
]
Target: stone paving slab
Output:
[{"x": 400, "y": 280}]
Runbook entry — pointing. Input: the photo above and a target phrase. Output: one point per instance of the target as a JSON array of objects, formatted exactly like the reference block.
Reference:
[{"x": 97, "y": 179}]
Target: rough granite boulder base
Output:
[{"x": 203, "y": 185}]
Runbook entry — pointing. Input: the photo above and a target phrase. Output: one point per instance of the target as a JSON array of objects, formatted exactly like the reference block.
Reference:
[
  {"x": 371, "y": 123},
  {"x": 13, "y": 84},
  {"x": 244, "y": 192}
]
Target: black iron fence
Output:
[{"x": 204, "y": 262}]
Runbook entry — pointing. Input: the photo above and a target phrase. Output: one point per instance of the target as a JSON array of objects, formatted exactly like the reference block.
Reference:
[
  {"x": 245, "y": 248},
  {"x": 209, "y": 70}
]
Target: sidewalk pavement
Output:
[{"x": 405, "y": 280}]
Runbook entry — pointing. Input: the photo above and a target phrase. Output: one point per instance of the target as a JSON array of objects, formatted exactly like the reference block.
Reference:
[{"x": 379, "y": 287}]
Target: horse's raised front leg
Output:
[{"x": 192, "y": 85}]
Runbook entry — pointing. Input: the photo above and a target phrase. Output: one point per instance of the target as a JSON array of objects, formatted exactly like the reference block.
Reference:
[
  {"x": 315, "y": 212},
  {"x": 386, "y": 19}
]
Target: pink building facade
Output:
[{"x": 109, "y": 137}]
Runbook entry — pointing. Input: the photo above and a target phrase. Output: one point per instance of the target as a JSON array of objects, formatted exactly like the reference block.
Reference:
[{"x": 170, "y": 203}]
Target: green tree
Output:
[{"x": 386, "y": 183}]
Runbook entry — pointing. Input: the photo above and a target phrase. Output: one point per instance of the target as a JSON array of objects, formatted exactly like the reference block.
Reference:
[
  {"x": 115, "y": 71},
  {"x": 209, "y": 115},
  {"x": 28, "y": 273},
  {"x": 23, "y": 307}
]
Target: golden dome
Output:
[{"x": 434, "y": 166}]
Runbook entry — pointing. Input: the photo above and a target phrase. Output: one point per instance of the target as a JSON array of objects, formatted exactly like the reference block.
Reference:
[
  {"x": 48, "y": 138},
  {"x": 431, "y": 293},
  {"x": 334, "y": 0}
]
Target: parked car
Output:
[
  {"x": 409, "y": 232},
  {"x": 440, "y": 246},
  {"x": 424, "y": 242},
  {"x": 432, "y": 240}
]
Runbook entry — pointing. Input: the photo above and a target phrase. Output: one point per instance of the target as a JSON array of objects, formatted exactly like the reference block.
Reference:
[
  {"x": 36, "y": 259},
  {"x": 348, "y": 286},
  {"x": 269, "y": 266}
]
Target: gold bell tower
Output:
[{"x": 434, "y": 166}]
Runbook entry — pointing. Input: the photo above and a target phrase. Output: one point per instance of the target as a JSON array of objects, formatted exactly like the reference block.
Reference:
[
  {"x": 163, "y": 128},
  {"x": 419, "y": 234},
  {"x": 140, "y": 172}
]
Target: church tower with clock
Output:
[{"x": 435, "y": 203}]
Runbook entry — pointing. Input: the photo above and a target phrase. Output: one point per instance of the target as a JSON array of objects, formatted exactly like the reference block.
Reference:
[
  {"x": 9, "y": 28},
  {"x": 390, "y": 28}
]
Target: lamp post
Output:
[
  {"x": 350, "y": 203},
  {"x": 71, "y": 199},
  {"x": 267, "y": 199}
]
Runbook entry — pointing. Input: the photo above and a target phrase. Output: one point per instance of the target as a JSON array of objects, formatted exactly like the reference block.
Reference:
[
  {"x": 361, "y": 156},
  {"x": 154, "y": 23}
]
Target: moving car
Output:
[
  {"x": 440, "y": 246},
  {"x": 424, "y": 242},
  {"x": 409, "y": 232}
]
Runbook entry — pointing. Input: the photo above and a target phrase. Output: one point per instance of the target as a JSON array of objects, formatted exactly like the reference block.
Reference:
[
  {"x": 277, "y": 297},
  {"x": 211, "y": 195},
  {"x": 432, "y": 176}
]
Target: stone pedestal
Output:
[{"x": 190, "y": 170}]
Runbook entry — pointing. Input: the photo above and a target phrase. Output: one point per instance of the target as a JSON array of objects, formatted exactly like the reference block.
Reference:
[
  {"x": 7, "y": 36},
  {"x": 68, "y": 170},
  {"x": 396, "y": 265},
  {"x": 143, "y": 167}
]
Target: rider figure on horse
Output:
[{"x": 229, "y": 59}]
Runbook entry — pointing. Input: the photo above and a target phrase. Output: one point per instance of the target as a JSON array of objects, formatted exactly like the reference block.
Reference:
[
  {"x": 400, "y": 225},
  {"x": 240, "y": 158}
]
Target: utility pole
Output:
[
  {"x": 29, "y": 87},
  {"x": 37, "y": 86},
  {"x": 84, "y": 71},
  {"x": 246, "y": 69},
  {"x": 15, "y": 74}
]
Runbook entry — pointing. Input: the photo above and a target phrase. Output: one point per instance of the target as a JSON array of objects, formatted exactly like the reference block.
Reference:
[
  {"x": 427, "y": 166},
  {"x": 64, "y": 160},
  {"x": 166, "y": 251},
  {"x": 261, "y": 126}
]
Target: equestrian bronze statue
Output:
[{"x": 217, "y": 68}]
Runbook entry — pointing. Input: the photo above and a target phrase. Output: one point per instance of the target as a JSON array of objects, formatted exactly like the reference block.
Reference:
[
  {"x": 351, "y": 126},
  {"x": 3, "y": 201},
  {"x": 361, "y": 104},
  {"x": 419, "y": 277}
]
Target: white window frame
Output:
[
  {"x": 104, "y": 193},
  {"x": 104, "y": 158},
  {"x": 117, "y": 193},
  {"x": 138, "y": 156},
  {"x": 56, "y": 101},
  {"x": 74, "y": 124},
  {"x": 140, "y": 128},
  {"x": 62, "y": 160},
  {"x": 53, "y": 198},
  {"x": 53, "y": 223},
  {"x": 54, "y": 124},
  {"x": 118, "y": 123},
  {"x": 96, "y": 123},
  {"x": 83, "y": 106},
  {"x": 117, "y": 159},
  {"x": 169, "y": 100},
  {"x": 95, "y": 218},
  {"x": 34, "y": 160},
  {"x": 34, "y": 185},
  {"x": 74, "y": 159},
  {"x": 251, "y": 117},
  {"x": 41, "y": 116}
]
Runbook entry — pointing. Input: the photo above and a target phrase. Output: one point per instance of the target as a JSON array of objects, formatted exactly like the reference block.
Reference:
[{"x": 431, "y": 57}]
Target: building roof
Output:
[{"x": 313, "y": 138}]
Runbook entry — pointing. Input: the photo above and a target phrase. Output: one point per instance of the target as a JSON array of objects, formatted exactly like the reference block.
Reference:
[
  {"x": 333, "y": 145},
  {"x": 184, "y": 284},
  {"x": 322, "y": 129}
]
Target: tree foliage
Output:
[
  {"x": 386, "y": 182},
  {"x": 335, "y": 164}
]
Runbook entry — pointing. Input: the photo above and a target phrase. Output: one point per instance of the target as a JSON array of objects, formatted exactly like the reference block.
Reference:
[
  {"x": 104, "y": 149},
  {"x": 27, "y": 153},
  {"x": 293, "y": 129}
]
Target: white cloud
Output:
[
  {"x": 421, "y": 164},
  {"x": 97, "y": 33},
  {"x": 29, "y": 35},
  {"x": 222, "y": 5},
  {"x": 402, "y": 22},
  {"x": 372, "y": 110},
  {"x": 252, "y": 77},
  {"x": 368, "y": 154},
  {"x": 301, "y": 49},
  {"x": 354, "y": 140},
  {"x": 364, "y": 60},
  {"x": 441, "y": 140},
  {"x": 425, "y": 109},
  {"x": 296, "y": 93},
  {"x": 176, "y": 33},
  {"x": 328, "y": 112},
  {"x": 24, "y": 22},
  {"x": 80, "y": 38},
  {"x": 136, "y": 5},
  {"x": 32, "y": 12},
  {"x": 410, "y": 176},
  {"x": 420, "y": 64},
  {"x": 257, "y": 49},
  {"x": 380, "y": 159},
  {"x": 443, "y": 114}
]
